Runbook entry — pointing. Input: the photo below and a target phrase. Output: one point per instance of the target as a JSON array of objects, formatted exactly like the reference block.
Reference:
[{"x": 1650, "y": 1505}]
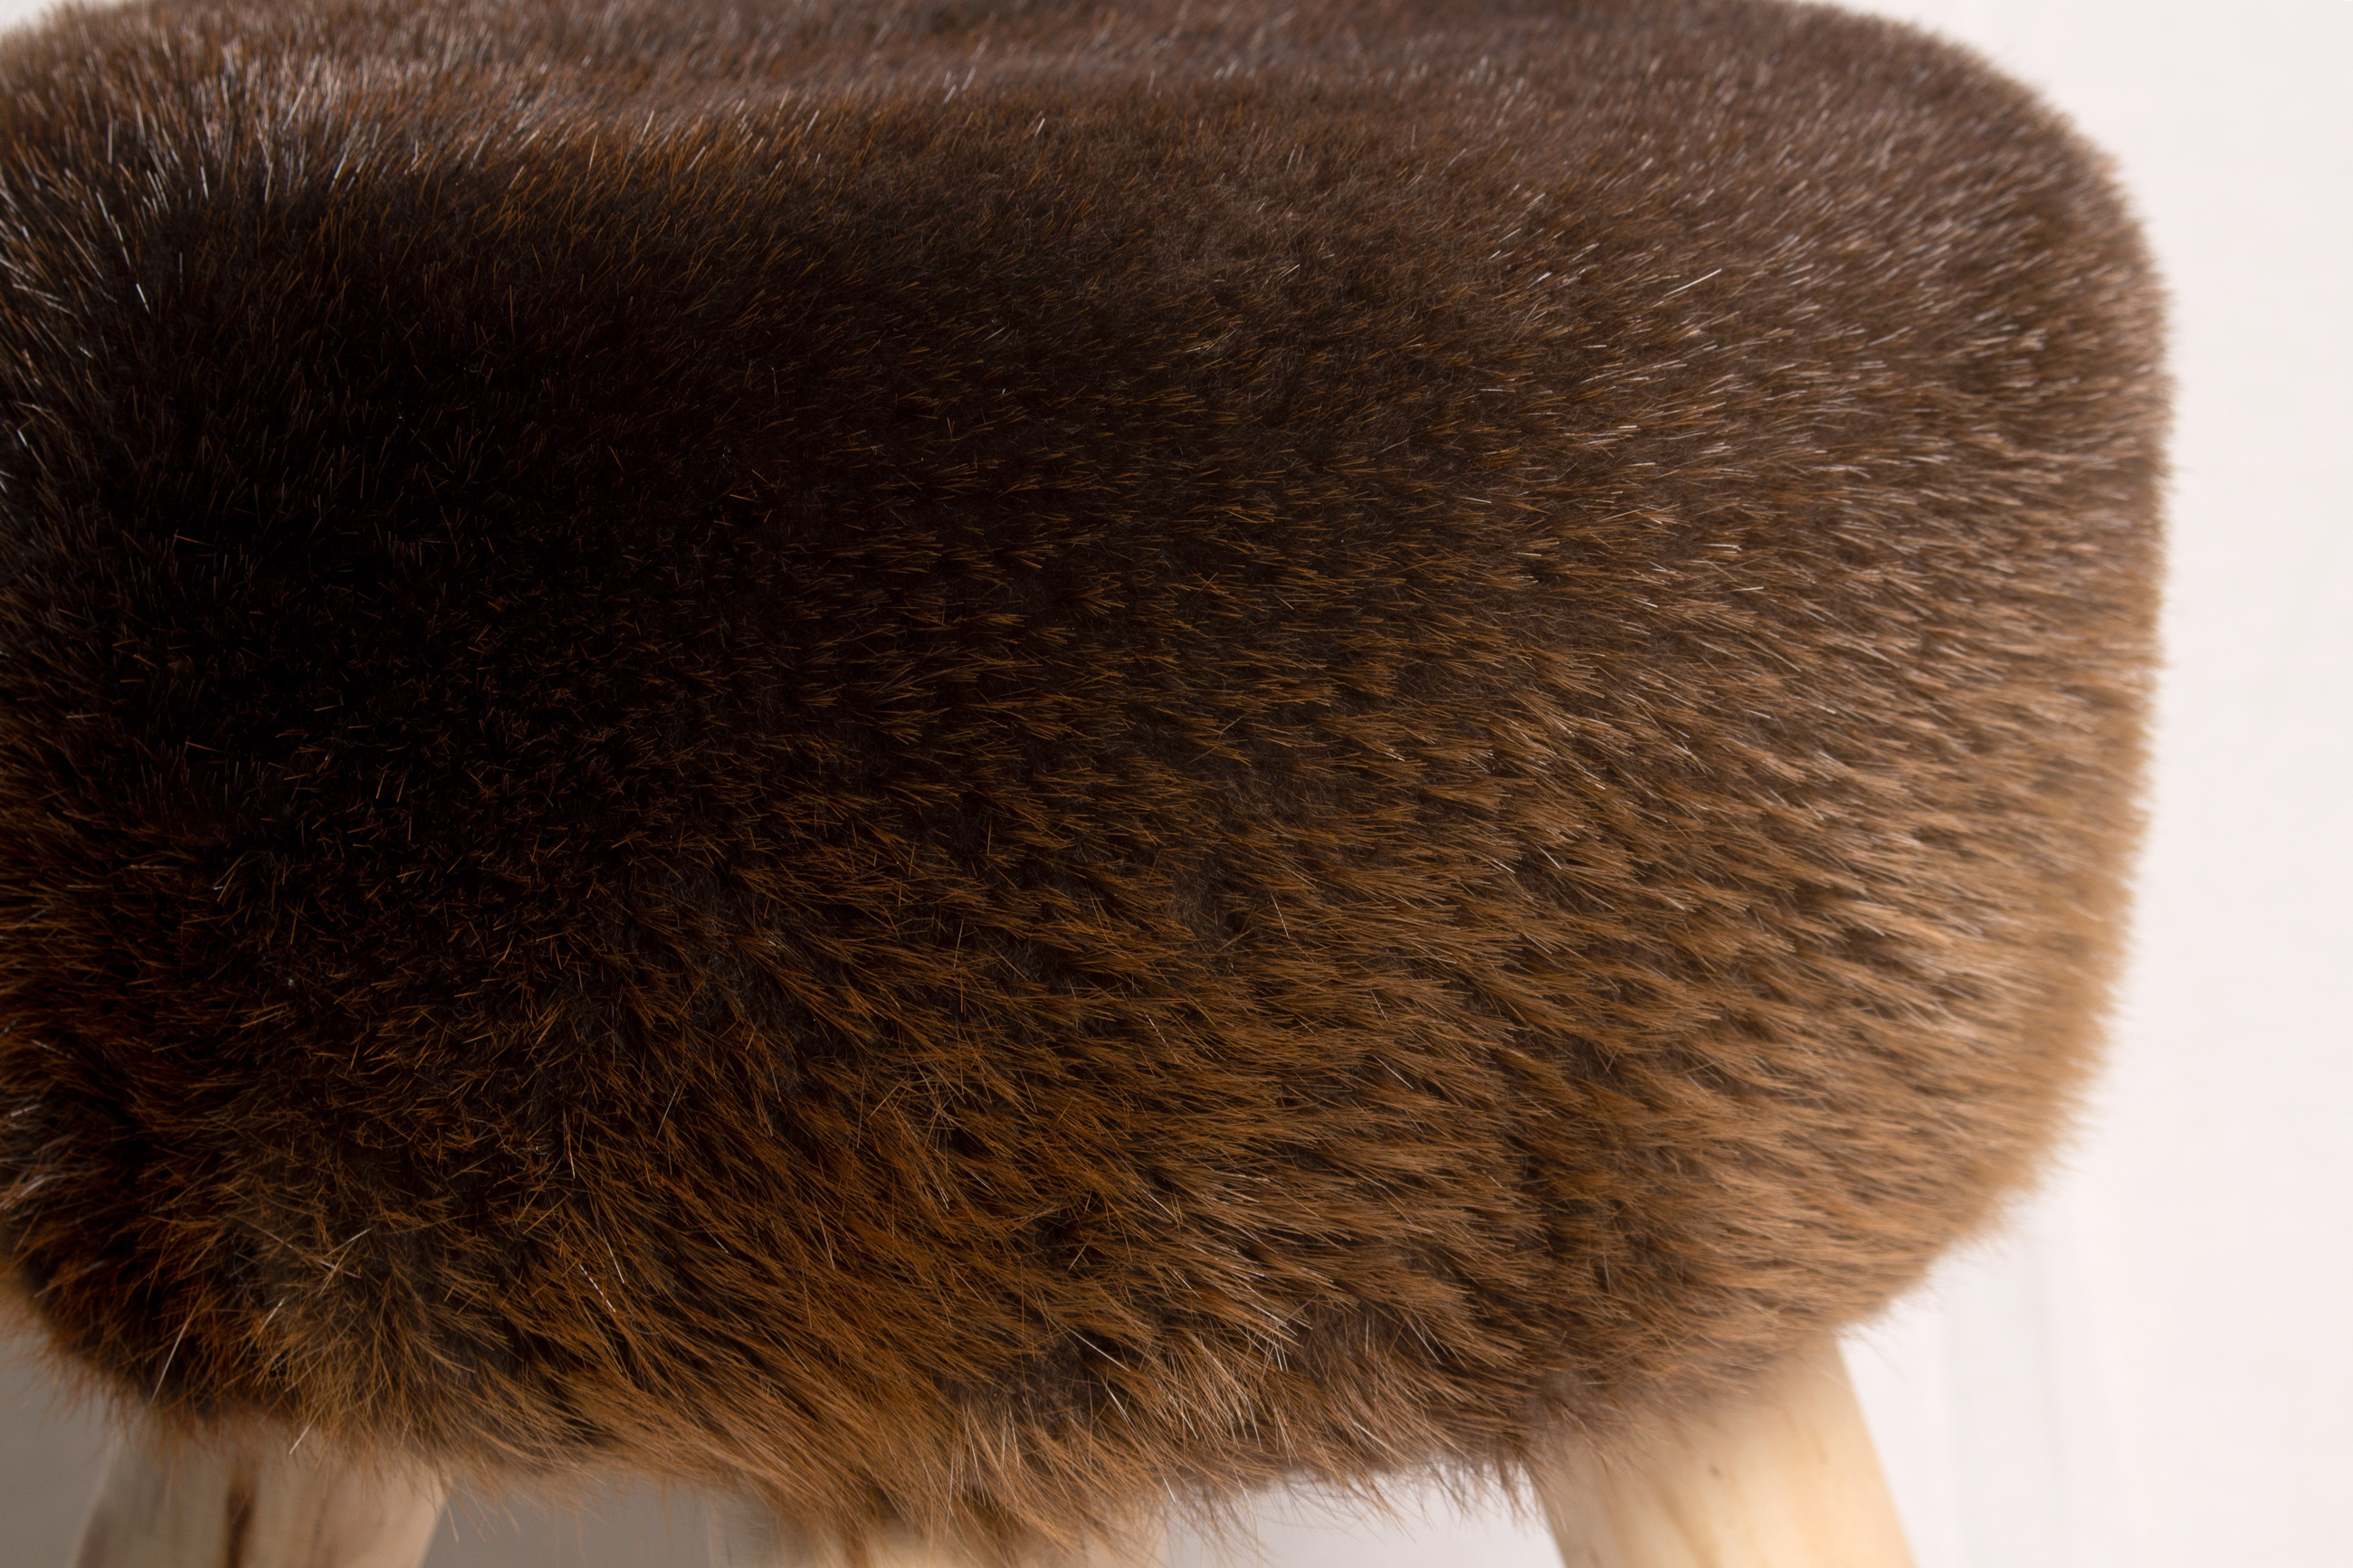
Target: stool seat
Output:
[{"x": 964, "y": 766}]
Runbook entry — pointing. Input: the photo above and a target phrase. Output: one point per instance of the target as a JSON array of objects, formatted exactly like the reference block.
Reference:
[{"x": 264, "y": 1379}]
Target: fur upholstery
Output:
[{"x": 968, "y": 759}]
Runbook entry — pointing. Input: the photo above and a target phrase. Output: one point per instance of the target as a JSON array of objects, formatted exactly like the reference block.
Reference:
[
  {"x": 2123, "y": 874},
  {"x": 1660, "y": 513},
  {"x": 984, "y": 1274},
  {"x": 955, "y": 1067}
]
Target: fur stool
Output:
[{"x": 980, "y": 765}]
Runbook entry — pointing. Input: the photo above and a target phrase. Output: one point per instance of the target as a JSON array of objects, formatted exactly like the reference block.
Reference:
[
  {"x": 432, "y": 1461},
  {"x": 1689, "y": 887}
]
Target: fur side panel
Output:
[{"x": 966, "y": 759}]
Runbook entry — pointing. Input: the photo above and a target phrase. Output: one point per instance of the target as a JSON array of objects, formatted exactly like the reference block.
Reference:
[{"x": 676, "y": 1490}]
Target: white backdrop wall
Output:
[{"x": 2150, "y": 1368}]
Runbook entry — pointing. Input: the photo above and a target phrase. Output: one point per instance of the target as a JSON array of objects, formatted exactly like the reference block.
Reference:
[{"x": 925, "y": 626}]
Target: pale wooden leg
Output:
[
  {"x": 746, "y": 1535},
  {"x": 191, "y": 1508},
  {"x": 1783, "y": 1479}
]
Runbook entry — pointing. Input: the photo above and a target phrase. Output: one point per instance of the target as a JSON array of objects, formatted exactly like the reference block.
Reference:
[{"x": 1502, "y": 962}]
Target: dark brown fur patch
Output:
[{"x": 963, "y": 759}]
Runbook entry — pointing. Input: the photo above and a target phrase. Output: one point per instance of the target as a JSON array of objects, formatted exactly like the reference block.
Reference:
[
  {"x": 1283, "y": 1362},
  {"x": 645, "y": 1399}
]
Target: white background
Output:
[{"x": 2153, "y": 1369}]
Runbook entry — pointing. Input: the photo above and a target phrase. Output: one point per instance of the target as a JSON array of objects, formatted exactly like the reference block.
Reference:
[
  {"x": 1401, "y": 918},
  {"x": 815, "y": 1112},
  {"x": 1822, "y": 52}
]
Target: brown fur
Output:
[{"x": 968, "y": 759}]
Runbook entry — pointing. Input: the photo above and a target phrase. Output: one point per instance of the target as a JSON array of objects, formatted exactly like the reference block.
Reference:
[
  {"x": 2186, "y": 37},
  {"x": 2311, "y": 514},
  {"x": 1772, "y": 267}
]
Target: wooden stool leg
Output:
[
  {"x": 1784, "y": 1478},
  {"x": 190, "y": 1507},
  {"x": 746, "y": 1535}
]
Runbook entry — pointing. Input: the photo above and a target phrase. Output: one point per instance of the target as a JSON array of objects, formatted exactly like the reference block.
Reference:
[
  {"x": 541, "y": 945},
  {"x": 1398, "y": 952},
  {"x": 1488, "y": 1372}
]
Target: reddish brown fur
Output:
[{"x": 968, "y": 758}]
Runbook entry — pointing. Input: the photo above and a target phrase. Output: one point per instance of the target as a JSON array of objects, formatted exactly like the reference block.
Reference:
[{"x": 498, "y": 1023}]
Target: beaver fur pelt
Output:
[{"x": 968, "y": 759}]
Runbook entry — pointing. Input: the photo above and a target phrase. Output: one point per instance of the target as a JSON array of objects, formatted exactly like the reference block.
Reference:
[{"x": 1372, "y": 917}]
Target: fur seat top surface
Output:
[{"x": 966, "y": 759}]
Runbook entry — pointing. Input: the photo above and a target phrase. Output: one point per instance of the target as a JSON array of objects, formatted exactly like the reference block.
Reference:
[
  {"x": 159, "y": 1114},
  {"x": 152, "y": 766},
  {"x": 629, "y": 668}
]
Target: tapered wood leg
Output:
[
  {"x": 190, "y": 1507},
  {"x": 746, "y": 1535},
  {"x": 1786, "y": 1477}
]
